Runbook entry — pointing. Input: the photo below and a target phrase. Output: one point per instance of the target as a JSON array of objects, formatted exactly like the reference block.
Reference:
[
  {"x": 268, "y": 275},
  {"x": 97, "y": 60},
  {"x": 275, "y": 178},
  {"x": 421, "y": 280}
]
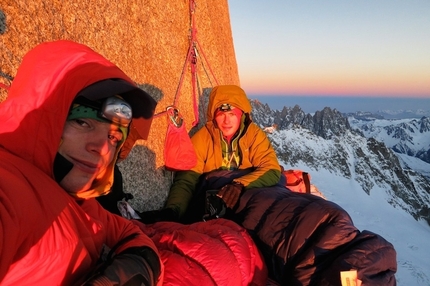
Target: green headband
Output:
[{"x": 82, "y": 111}]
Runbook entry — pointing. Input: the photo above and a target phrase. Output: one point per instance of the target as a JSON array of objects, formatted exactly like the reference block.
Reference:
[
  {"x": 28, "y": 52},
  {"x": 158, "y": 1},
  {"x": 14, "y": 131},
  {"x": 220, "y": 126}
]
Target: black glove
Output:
[
  {"x": 158, "y": 215},
  {"x": 215, "y": 206},
  {"x": 230, "y": 193},
  {"x": 134, "y": 266}
]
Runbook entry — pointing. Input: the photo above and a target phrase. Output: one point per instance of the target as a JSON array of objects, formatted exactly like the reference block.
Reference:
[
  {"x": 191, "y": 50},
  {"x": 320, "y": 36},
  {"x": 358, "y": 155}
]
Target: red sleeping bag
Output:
[{"x": 216, "y": 252}]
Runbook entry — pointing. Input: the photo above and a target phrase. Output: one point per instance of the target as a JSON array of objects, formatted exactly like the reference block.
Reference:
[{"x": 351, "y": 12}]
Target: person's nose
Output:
[
  {"x": 98, "y": 143},
  {"x": 226, "y": 119}
]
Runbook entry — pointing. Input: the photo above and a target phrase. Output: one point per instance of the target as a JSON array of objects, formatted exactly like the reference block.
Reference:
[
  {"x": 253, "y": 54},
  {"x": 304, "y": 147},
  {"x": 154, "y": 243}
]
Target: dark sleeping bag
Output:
[{"x": 305, "y": 240}]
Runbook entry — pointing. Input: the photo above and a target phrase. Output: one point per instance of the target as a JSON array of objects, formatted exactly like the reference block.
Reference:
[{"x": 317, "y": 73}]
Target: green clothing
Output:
[{"x": 255, "y": 151}]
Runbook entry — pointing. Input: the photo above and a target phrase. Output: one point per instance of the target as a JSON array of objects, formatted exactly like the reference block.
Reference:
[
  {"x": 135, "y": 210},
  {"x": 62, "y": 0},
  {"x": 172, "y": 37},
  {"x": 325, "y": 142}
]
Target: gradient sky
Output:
[{"x": 333, "y": 47}]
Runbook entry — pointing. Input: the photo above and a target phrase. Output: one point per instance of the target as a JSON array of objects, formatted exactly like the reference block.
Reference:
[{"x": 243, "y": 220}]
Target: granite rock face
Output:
[{"x": 150, "y": 41}]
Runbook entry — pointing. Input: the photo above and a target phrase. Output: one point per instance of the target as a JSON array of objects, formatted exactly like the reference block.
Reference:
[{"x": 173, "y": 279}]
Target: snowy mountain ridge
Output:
[
  {"x": 403, "y": 114},
  {"x": 389, "y": 114},
  {"x": 405, "y": 136}
]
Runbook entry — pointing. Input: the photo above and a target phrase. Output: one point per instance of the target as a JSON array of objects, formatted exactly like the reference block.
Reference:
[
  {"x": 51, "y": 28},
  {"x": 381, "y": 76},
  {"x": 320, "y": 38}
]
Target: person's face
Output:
[
  {"x": 228, "y": 122},
  {"x": 91, "y": 146}
]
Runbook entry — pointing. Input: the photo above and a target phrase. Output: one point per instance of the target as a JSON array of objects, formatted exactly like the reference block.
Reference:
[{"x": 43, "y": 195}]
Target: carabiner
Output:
[{"x": 174, "y": 116}]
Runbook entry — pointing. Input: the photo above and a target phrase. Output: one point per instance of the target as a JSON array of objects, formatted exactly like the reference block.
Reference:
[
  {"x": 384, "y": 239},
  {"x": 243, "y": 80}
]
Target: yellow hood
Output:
[{"x": 231, "y": 94}]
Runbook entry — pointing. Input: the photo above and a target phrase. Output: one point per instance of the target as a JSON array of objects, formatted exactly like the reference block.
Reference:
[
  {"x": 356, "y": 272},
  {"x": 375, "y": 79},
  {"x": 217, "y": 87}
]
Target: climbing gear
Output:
[
  {"x": 179, "y": 153},
  {"x": 225, "y": 107},
  {"x": 194, "y": 53},
  {"x": 174, "y": 116},
  {"x": 116, "y": 110},
  {"x": 113, "y": 109}
]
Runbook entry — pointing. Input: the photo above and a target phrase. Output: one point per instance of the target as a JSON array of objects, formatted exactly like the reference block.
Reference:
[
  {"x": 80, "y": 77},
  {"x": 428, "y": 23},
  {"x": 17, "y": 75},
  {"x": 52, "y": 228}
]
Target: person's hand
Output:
[
  {"x": 230, "y": 193},
  {"x": 158, "y": 215},
  {"x": 133, "y": 266}
]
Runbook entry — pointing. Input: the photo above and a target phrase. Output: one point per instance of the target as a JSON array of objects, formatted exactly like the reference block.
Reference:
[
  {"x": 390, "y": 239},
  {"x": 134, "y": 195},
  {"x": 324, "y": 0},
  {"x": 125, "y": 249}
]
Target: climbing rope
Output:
[{"x": 192, "y": 60}]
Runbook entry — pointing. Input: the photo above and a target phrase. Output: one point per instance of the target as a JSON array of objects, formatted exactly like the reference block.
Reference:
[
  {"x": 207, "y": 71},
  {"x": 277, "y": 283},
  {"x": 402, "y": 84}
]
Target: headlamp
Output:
[
  {"x": 225, "y": 107},
  {"x": 113, "y": 109},
  {"x": 116, "y": 110}
]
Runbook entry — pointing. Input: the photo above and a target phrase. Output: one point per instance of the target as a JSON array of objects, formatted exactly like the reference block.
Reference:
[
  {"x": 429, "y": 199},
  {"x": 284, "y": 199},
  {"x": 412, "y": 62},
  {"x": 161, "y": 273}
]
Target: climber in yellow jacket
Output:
[{"x": 228, "y": 141}]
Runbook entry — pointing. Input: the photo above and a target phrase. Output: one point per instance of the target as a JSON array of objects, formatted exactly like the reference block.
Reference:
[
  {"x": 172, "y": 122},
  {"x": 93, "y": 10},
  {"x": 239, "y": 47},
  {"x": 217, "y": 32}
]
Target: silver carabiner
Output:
[{"x": 174, "y": 116}]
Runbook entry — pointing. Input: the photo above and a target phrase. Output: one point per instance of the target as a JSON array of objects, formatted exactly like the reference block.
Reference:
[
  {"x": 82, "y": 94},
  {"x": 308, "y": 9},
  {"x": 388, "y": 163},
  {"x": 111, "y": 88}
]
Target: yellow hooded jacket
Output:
[{"x": 255, "y": 151}]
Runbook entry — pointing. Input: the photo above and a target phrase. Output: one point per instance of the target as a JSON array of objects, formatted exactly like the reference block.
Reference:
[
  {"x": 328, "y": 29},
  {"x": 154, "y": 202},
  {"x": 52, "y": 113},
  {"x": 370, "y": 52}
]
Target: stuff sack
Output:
[
  {"x": 298, "y": 181},
  {"x": 179, "y": 153}
]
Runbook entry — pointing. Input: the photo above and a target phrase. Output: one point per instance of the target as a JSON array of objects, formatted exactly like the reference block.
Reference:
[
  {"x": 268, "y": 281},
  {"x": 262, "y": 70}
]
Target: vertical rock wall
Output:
[{"x": 149, "y": 40}]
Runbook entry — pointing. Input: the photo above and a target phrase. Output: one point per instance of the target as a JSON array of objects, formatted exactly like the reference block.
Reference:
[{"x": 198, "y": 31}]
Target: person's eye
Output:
[
  {"x": 115, "y": 138},
  {"x": 81, "y": 122}
]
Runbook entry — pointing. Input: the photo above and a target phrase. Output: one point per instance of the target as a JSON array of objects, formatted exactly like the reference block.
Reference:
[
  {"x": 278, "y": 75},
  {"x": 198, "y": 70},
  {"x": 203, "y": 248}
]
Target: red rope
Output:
[
  {"x": 181, "y": 80},
  {"x": 193, "y": 84},
  {"x": 193, "y": 62},
  {"x": 191, "y": 59}
]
